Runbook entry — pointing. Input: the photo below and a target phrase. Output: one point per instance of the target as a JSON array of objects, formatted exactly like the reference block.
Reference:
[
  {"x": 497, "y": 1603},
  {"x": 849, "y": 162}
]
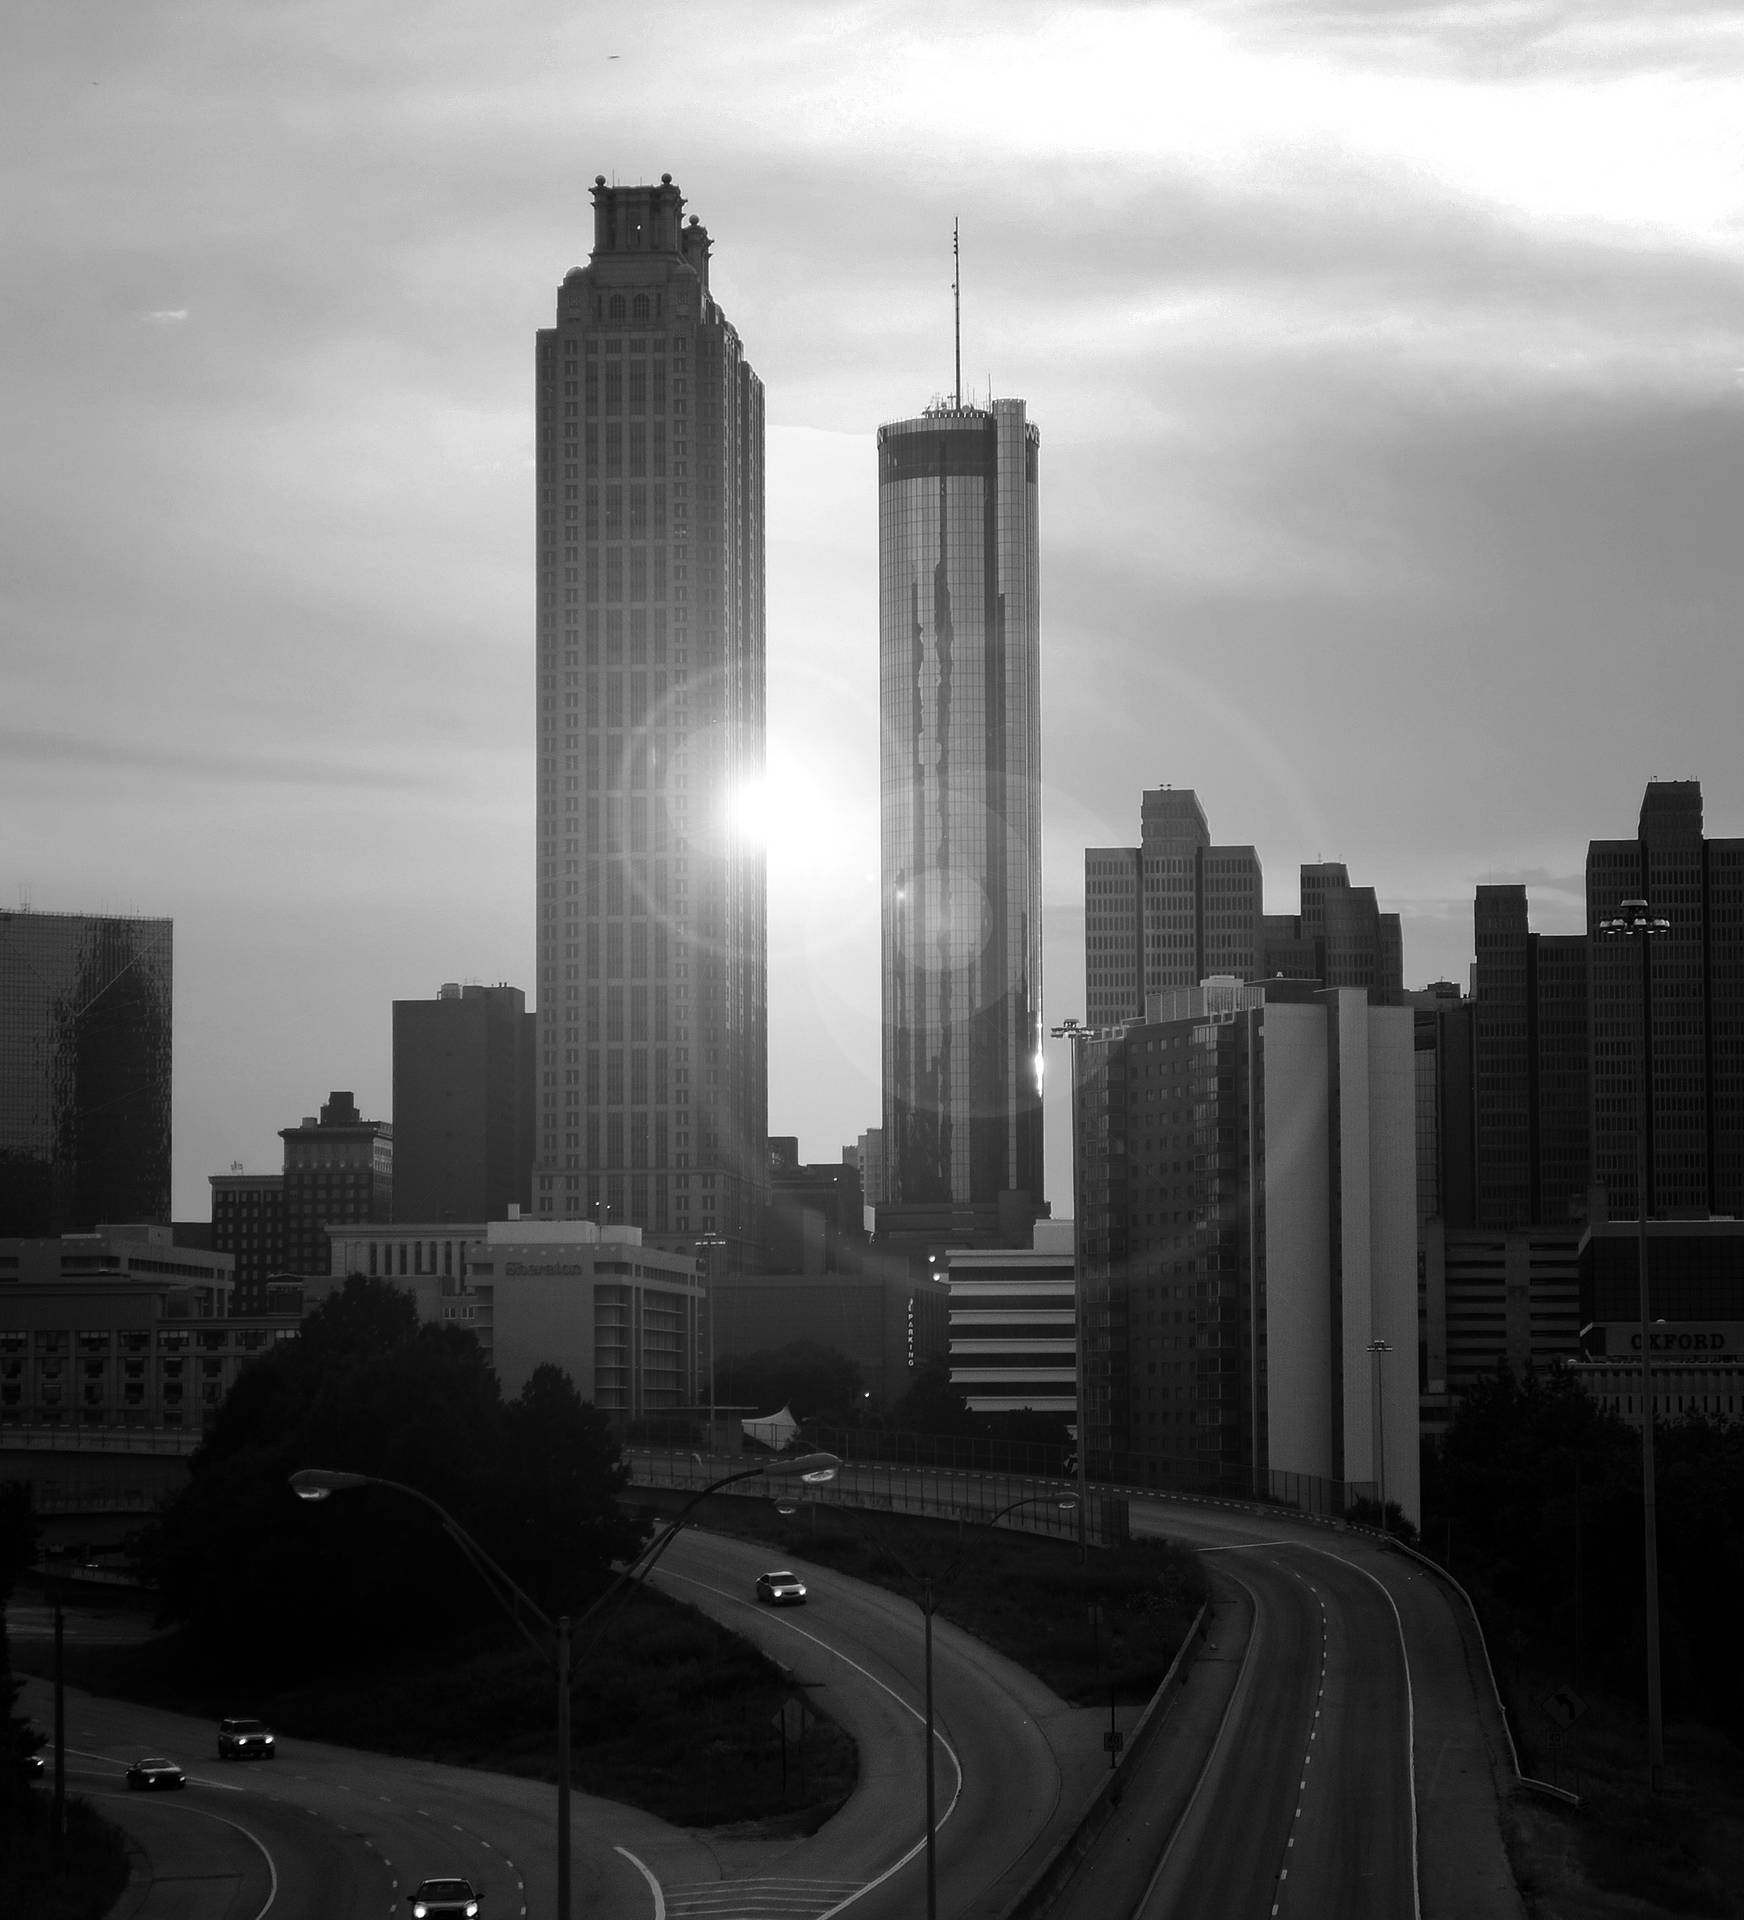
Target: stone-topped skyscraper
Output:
[{"x": 652, "y": 1032}]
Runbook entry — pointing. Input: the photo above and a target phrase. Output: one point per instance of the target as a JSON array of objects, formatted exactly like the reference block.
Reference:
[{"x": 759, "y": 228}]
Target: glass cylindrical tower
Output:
[{"x": 959, "y": 697}]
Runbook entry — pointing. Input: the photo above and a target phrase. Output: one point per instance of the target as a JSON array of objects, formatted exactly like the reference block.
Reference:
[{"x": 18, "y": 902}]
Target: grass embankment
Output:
[
  {"x": 1116, "y": 1621},
  {"x": 93, "y": 1867},
  {"x": 1625, "y": 1850},
  {"x": 671, "y": 1713}
]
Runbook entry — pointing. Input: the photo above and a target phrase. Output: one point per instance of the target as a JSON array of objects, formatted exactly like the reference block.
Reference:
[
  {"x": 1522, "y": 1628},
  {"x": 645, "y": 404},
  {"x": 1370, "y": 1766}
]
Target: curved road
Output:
[
  {"x": 1346, "y": 1762},
  {"x": 341, "y": 1834},
  {"x": 1015, "y": 1767}
]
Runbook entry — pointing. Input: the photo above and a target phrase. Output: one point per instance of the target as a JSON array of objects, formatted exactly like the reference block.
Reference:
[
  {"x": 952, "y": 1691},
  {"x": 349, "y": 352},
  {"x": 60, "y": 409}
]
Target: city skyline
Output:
[{"x": 1389, "y": 369}]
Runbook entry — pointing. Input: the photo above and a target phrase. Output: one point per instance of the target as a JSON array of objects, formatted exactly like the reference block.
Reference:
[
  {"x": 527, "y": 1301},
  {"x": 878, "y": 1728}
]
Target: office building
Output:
[
  {"x": 248, "y": 1223},
  {"x": 1340, "y": 938},
  {"x": 816, "y": 1220},
  {"x": 1695, "y": 1044},
  {"x": 1170, "y": 912},
  {"x": 1246, "y": 1235},
  {"x": 624, "y": 1319},
  {"x": 888, "y": 1315},
  {"x": 960, "y": 784},
  {"x": 1530, "y": 1111},
  {"x": 652, "y": 1103},
  {"x": 463, "y": 1104},
  {"x": 85, "y": 1003},
  {"x": 339, "y": 1169},
  {"x": 121, "y": 1327},
  {"x": 1014, "y": 1324}
]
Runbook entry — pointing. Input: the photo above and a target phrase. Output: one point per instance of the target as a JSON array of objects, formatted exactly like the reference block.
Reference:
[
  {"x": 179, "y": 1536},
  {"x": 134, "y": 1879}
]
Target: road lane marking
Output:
[
  {"x": 653, "y": 1884},
  {"x": 919, "y": 1846},
  {"x": 1410, "y": 1709}
]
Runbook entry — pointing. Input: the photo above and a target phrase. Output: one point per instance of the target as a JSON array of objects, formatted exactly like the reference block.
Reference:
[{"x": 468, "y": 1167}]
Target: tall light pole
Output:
[
  {"x": 926, "y": 1582},
  {"x": 316, "y": 1483},
  {"x": 1076, "y": 1032},
  {"x": 1635, "y": 922},
  {"x": 711, "y": 1243},
  {"x": 1378, "y": 1348}
]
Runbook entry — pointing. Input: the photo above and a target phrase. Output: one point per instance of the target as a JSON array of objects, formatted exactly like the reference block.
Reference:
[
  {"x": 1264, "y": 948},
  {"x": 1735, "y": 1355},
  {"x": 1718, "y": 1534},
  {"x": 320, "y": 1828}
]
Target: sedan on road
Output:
[
  {"x": 432, "y": 1897},
  {"x": 152, "y": 1774},
  {"x": 245, "y": 1740},
  {"x": 781, "y": 1589}
]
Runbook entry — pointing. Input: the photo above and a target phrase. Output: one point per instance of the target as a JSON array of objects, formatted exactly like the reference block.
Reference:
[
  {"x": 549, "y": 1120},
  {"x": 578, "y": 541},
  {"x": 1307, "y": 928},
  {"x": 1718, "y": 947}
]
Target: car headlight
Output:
[
  {"x": 471, "y": 1908},
  {"x": 419, "y": 1910}
]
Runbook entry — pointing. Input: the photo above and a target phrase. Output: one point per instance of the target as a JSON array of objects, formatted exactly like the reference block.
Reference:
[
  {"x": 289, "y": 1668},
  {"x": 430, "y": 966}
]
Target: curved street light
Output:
[
  {"x": 1636, "y": 922},
  {"x": 1066, "y": 1503},
  {"x": 317, "y": 1483}
]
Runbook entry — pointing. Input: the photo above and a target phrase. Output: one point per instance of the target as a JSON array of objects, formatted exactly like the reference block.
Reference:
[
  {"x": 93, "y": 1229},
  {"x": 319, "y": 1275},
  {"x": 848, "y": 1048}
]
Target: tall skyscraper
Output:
[
  {"x": 651, "y": 924},
  {"x": 1695, "y": 1046},
  {"x": 463, "y": 1104},
  {"x": 84, "y": 1071},
  {"x": 959, "y": 647},
  {"x": 1170, "y": 912}
]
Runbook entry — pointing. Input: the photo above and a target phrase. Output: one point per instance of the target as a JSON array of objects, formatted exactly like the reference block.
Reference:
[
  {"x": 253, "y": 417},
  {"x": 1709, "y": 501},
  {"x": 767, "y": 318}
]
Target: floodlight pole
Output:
[
  {"x": 1076, "y": 1032},
  {"x": 1635, "y": 922}
]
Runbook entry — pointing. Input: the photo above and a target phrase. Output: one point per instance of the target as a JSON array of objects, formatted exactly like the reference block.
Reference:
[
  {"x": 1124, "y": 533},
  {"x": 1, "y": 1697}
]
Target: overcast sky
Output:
[{"x": 1388, "y": 361}]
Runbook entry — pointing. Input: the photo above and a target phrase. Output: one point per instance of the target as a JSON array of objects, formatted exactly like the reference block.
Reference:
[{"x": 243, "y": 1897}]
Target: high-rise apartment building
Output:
[
  {"x": 85, "y": 1004},
  {"x": 1695, "y": 1039},
  {"x": 960, "y": 779},
  {"x": 1170, "y": 912},
  {"x": 1246, "y": 1223},
  {"x": 652, "y": 1099},
  {"x": 463, "y": 1104},
  {"x": 339, "y": 1171}
]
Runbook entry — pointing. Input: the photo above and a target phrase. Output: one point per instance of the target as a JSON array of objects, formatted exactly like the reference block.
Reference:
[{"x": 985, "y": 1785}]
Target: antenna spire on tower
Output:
[{"x": 957, "y": 303}]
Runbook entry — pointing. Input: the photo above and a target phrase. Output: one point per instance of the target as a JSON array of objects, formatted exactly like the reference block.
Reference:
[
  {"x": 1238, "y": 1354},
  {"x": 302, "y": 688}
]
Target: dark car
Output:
[
  {"x": 245, "y": 1740},
  {"x": 781, "y": 1589},
  {"x": 432, "y": 1897},
  {"x": 151, "y": 1774}
]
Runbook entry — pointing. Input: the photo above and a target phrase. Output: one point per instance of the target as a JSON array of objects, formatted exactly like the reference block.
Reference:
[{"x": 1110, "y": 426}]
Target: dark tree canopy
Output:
[
  {"x": 932, "y": 1405},
  {"x": 367, "y": 1389},
  {"x": 816, "y": 1381},
  {"x": 17, "y": 1545},
  {"x": 1535, "y": 1490}
]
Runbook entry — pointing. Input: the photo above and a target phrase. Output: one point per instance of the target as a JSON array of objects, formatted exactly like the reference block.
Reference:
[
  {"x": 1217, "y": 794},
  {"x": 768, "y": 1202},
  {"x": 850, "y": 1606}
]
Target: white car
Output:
[{"x": 781, "y": 1589}]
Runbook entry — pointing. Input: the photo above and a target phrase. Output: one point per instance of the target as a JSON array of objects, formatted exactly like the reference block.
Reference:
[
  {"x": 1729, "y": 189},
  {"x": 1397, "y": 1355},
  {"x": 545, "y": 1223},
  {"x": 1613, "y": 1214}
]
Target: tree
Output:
[
  {"x": 817, "y": 1382},
  {"x": 932, "y": 1405},
  {"x": 17, "y": 1738},
  {"x": 555, "y": 1507},
  {"x": 250, "y": 1569}
]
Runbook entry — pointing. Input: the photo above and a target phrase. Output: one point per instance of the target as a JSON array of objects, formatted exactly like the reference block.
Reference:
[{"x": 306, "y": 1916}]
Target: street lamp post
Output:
[
  {"x": 711, "y": 1243},
  {"x": 1635, "y": 922},
  {"x": 1378, "y": 1348},
  {"x": 1065, "y": 1503},
  {"x": 316, "y": 1483},
  {"x": 1076, "y": 1032}
]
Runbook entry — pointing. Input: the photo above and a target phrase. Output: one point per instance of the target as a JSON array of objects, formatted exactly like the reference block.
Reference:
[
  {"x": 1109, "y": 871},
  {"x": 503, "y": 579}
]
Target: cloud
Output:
[{"x": 81, "y": 754}]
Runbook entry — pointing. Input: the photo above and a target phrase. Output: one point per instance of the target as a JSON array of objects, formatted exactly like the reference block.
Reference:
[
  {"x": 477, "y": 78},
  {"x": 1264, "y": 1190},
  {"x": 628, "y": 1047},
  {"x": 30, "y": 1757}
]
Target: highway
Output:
[
  {"x": 1326, "y": 1757},
  {"x": 1015, "y": 1766},
  {"x": 329, "y": 1833}
]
